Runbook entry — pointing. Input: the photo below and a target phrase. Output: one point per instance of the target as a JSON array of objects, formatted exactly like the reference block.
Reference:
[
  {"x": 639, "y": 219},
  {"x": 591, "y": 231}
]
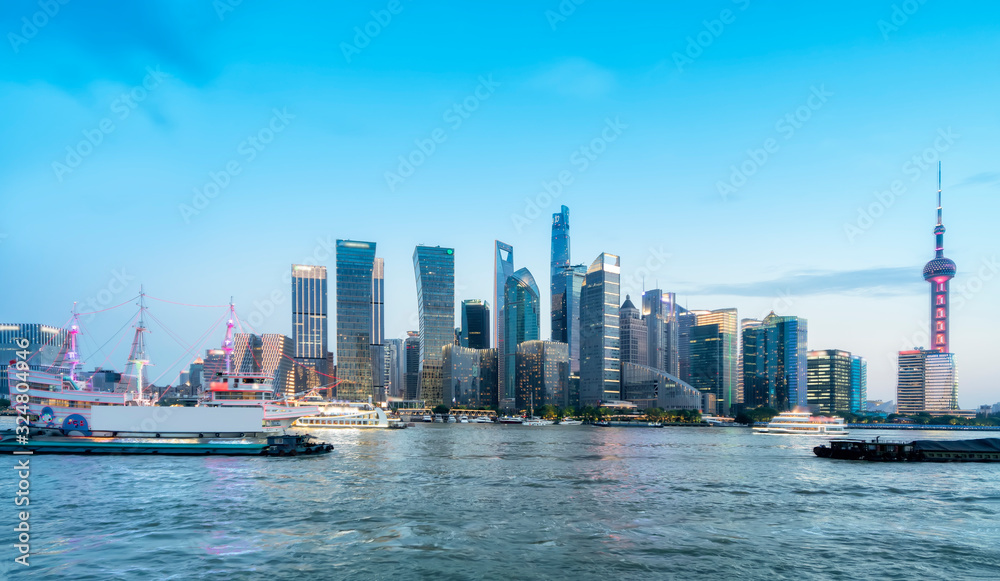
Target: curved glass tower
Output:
[{"x": 522, "y": 319}]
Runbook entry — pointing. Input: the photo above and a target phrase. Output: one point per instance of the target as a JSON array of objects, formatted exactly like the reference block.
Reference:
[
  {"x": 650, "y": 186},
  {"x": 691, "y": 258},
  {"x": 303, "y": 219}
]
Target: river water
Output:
[{"x": 489, "y": 502}]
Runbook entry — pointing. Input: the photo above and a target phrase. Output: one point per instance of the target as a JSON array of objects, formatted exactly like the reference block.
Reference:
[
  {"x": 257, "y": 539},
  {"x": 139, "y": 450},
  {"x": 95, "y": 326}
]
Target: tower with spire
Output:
[{"x": 939, "y": 272}]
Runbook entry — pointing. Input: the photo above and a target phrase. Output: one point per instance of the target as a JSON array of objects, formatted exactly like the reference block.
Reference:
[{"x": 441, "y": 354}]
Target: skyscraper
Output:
[
  {"x": 829, "y": 381},
  {"x": 542, "y": 374},
  {"x": 411, "y": 348},
  {"x": 434, "y": 269},
  {"x": 759, "y": 370},
  {"x": 395, "y": 368},
  {"x": 859, "y": 384},
  {"x": 309, "y": 324},
  {"x": 600, "y": 369},
  {"x": 379, "y": 354},
  {"x": 560, "y": 276},
  {"x": 634, "y": 342},
  {"x": 355, "y": 324},
  {"x": 522, "y": 321},
  {"x": 503, "y": 268},
  {"x": 713, "y": 359},
  {"x": 247, "y": 353},
  {"x": 926, "y": 382},
  {"x": 276, "y": 361},
  {"x": 789, "y": 351},
  {"x": 660, "y": 311},
  {"x": 475, "y": 324}
]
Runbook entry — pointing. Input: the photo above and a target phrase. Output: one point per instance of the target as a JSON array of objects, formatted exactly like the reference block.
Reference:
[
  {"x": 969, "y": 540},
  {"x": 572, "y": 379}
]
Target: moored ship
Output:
[{"x": 878, "y": 450}]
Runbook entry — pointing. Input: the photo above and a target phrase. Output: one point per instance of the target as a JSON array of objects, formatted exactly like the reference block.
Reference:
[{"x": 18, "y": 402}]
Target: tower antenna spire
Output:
[{"x": 939, "y": 209}]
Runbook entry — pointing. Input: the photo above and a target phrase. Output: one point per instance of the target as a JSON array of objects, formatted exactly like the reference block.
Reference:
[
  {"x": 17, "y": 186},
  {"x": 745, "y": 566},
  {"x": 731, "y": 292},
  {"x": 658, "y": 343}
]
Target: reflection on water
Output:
[{"x": 483, "y": 501}]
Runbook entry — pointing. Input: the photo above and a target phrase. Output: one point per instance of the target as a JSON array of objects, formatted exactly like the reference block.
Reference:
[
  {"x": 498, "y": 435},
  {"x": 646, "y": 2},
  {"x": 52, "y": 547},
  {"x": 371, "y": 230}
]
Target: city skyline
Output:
[{"x": 833, "y": 227}]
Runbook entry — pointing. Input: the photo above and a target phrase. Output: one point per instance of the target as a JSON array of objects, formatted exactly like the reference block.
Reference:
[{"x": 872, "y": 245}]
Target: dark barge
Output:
[{"x": 877, "y": 450}]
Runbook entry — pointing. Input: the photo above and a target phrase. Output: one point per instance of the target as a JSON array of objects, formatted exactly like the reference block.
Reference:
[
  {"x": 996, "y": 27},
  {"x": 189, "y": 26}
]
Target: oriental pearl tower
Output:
[{"x": 939, "y": 271}]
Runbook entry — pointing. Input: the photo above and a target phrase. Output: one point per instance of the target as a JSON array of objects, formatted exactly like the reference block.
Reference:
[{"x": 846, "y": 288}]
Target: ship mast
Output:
[
  {"x": 73, "y": 355},
  {"x": 227, "y": 344},
  {"x": 137, "y": 356}
]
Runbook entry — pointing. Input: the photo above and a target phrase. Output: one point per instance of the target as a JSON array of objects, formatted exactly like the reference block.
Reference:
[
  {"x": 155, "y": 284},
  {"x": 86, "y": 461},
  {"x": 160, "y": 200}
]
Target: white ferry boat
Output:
[
  {"x": 341, "y": 414},
  {"x": 803, "y": 423}
]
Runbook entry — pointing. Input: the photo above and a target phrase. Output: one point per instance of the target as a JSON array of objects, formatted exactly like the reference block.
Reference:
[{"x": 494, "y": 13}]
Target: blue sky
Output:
[{"x": 653, "y": 116}]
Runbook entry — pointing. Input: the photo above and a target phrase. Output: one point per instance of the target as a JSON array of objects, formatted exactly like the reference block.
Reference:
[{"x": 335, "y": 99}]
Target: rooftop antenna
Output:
[
  {"x": 137, "y": 356},
  {"x": 73, "y": 355},
  {"x": 227, "y": 344}
]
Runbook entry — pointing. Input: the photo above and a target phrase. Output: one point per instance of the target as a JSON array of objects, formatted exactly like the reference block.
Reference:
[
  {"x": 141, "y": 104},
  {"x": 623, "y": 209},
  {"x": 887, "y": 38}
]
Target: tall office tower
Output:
[
  {"x": 469, "y": 376},
  {"x": 740, "y": 385},
  {"x": 686, "y": 320},
  {"x": 522, "y": 322},
  {"x": 196, "y": 375},
  {"x": 634, "y": 340},
  {"x": 713, "y": 356},
  {"x": 939, "y": 272},
  {"x": 355, "y": 325},
  {"x": 792, "y": 365},
  {"x": 600, "y": 367},
  {"x": 829, "y": 381},
  {"x": 759, "y": 371},
  {"x": 277, "y": 362},
  {"x": 309, "y": 325},
  {"x": 434, "y": 268},
  {"x": 859, "y": 384},
  {"x": 380, "y": 377},
  {"x": 213, "y": 366},
  {"x": 475, "y": 324},
  {"x": 412, "y": 363},
  {"x": 395, "y": 368},
  {"x": 660, "y": 311},
  {"x": 503, "y": 268},
  {"x": 542, "y": 374},
  {"x": 559, "y": 276},
  {"x": 247, "y": 353},
  {"x": 926, "y": 382}
]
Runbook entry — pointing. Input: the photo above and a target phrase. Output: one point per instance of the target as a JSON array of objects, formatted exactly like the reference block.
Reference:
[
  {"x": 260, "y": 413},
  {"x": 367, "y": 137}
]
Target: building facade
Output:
[
  {"x": 829, "y": 381},
  {"x": 309, "y": 325},
  {"x": 648, "y": 388},
  {"x": 278, "y": 362},
  {"x": 46, "y": 344},
  {"x": 475, "y": 324},
  {"x": 600, "y": 368},
  {"x": 859, "y": 384},
  {"x": 522, "y": 322},
  {"x": 633, "y": 334},
  {"x": 712, "y": 344},
  {"x": 434, "y": 268},
  {"x": 542, "y": 374}
]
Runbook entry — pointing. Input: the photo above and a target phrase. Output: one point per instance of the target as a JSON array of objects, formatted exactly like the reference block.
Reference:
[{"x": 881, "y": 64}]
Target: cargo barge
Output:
[{"x": 878, "y": 450}]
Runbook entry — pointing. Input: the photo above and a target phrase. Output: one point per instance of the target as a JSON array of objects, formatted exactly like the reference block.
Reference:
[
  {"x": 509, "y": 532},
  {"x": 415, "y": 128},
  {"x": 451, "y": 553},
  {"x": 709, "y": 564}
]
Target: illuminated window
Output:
[
  {"x": 940, "y": 299},
  {"x": 940, "y": 287},
  {"x": 940, "y": 314},
  {"x": 940, "y": 339},
  {"x": 940, "y": 326}
]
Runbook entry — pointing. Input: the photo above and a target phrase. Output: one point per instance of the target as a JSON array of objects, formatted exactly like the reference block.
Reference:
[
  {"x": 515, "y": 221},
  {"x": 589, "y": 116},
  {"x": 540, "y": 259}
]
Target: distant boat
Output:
[
  {"x": 803, "y": 424},
  {"x": 537, "y": 422},
  {"x": 428, "y": 418},
  {"x": 438, "y": 419},
  {"x": 570, "y": 422},
  {"x": 482, "y": 420},
  {"x": 463, "y": 419},
  {"x": 511, "y": 420}
]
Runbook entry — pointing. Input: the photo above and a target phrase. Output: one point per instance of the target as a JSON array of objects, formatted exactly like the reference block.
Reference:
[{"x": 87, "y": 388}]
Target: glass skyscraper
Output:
[
  {"x": 659, "y": 311},
  {"x": 309, "y": 325},
  {"x": 600, "y": 369},
  {"x": 926, "y": 382},
  {"x": 713, "y": 344},
  {"x": 859, "y": 384},
  {"x": 542, "y": 374},
  {"x": 634, "y": 343},
  {"x": 379, "y": 353},
  {"x": 475, "y": 324},
  {"x": 775, "y": 362},
  {"x": 355, "y": 325},
  {"x": 829, "y": 381},
  {"x": 434, "y": 268},
  {"x": 560, "y": 275},
  {"x": 522, "y": 320},
  {"x": 503, "y": 268}
]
